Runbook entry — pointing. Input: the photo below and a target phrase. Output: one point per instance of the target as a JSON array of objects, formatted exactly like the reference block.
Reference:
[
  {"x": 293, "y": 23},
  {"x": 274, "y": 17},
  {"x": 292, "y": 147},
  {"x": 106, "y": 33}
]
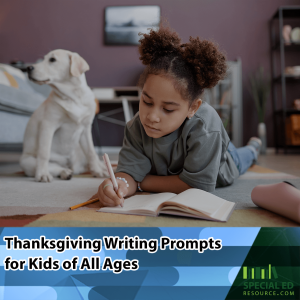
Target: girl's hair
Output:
[{"x": 192, "y": 66}]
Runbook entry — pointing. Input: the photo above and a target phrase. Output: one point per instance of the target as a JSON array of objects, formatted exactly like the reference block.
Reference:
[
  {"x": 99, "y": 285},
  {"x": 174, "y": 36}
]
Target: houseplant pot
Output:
[
  {"x": 260, "y": 90},
  {"x": 262, "y": 134}
]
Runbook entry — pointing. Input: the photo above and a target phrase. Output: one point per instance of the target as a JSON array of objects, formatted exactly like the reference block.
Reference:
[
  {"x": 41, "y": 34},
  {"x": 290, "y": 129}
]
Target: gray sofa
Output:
[{"x": 19, "y": 98}]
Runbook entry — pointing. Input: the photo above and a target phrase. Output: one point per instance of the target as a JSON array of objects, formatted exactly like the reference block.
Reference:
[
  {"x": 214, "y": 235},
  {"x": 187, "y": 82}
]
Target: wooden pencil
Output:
[{"x": 84, "y": 203}]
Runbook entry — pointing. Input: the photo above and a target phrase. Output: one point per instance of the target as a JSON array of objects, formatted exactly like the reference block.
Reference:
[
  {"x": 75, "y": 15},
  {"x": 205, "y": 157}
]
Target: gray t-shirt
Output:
[{"x": 196, "y": 151}]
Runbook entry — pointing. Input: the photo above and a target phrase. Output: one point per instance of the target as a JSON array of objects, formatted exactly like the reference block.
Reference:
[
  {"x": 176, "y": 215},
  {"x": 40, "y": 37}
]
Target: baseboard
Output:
[
  {"x": 11, "y": 147},
  {"x": 270, "y": 151},
  {"x": 116, "y": 150},
  {"x": 107, "y": 149},
  {"x": 280, "y": 151}
]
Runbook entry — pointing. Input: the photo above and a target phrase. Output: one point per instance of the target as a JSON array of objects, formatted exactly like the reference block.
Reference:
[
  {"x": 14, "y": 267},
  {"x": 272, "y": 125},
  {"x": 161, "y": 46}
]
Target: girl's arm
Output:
[
  {"x": 151, "y": 183},
  {"x": 161, "y": 184},
  {"x": 108, "y": 197},
  {"x": 132, "y": 184}
]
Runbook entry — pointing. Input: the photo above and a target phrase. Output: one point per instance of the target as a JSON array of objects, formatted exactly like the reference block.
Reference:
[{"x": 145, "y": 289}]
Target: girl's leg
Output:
[{"x": 243, "y": 157}]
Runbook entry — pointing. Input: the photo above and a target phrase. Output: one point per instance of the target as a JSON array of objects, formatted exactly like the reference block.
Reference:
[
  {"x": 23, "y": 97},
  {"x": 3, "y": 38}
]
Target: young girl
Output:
[{"x": 176, "y": 141}]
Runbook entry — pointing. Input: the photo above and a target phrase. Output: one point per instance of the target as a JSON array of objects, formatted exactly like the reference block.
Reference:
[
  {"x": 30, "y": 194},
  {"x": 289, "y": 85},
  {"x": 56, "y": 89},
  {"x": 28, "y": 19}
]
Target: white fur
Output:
[{"x": 58, "y": 139}]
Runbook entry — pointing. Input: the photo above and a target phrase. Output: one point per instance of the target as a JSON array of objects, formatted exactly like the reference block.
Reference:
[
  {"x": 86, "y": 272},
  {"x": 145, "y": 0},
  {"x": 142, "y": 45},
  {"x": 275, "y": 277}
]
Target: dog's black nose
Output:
[{"x": 30, "y": 68}]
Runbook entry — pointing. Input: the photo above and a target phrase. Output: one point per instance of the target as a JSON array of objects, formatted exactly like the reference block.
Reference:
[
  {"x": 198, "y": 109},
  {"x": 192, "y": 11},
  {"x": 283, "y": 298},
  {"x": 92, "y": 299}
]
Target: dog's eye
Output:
[{"x": 52, "y": 59}]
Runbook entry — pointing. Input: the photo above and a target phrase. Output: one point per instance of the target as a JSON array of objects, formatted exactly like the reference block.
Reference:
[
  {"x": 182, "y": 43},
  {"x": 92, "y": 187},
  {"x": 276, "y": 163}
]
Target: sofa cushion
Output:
[{"x": 16, "y": 94}]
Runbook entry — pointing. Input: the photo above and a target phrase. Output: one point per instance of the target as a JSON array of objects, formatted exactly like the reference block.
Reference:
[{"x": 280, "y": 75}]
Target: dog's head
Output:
[{"x": 57, "y": 66}]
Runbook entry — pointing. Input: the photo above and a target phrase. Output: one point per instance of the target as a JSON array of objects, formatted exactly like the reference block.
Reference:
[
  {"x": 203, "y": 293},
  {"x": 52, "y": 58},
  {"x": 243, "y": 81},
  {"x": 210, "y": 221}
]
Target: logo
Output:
[
  {"x": 266, "y": 282},
  {"x": 259, "y": 273}
]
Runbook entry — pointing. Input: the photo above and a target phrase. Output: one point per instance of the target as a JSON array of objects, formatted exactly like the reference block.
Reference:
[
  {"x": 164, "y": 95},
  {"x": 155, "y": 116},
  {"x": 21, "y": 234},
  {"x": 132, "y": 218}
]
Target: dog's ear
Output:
[{"x": 78, "y": 65}]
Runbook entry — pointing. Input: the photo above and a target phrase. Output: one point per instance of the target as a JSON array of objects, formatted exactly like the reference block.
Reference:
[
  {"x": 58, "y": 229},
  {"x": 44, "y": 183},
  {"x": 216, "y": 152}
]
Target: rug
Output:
[
  {"x": 20, "y": 195},
  {"x": 24, "y": 202},
  {"x": 253, "y": 217}
]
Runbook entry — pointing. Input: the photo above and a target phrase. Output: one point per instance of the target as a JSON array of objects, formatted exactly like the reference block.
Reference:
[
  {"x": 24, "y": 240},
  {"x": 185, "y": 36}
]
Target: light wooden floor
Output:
[{"x": 289, "y": 163}]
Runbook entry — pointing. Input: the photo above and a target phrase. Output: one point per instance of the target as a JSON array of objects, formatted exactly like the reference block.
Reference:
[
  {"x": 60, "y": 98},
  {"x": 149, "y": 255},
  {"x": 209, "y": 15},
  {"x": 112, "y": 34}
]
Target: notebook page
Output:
[
  {"x": 224, "y": 212},
  {"x": 199, "y": 200},
  {"x": 140, "y": 202}
]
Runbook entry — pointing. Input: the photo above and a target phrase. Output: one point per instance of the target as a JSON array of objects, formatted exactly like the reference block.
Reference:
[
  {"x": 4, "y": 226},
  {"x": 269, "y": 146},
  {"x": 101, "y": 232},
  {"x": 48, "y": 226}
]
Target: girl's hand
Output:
[{"x": 108, "y": 197}]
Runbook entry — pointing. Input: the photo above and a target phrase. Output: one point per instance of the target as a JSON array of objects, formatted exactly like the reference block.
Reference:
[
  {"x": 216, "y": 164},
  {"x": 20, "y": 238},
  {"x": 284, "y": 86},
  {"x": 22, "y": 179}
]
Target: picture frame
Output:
[{"x": 124, "y": 23}]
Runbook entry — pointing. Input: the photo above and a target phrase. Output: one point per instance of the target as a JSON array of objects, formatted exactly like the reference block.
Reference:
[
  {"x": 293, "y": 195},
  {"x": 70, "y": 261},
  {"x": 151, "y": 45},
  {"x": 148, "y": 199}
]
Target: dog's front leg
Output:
[
  {"x": 45, "y": 136},
  {"x": 96, "y": 167}
]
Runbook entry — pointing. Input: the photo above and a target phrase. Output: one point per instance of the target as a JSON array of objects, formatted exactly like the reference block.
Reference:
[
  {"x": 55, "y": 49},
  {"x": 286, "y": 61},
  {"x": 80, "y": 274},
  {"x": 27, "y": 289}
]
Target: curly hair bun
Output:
[
  {"x": 207, "y": 61},
  {"x": 157, "y": 44}
]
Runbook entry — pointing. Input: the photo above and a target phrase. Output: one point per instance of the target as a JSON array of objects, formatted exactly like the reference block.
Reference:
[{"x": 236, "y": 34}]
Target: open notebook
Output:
[{"x": 192, "y": 203}]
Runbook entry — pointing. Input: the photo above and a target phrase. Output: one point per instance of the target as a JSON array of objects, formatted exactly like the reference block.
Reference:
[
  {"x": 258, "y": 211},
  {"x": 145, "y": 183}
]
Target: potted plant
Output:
[{"x": 260, "y": 90}]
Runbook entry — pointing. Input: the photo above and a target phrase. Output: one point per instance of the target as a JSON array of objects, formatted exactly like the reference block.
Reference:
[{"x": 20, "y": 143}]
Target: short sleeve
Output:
[
  {"x": 132, "y": 158},
  {"x": 202, "y": 163}
]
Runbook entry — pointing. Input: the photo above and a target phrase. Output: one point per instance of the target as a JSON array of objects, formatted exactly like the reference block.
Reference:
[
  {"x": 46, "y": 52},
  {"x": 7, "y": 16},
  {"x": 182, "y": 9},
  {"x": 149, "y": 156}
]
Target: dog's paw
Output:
[
  {"x": 43, "y": 177},
  {"x": 97, "y": 173},
  {"x": 99, "y": 170},
  {"x": 66, "y": 174}
]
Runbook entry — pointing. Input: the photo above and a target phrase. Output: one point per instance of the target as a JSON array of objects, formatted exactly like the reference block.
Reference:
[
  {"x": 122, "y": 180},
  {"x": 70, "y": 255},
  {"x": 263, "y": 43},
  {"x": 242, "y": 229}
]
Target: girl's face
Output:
[{"x": 162, "y": 109}]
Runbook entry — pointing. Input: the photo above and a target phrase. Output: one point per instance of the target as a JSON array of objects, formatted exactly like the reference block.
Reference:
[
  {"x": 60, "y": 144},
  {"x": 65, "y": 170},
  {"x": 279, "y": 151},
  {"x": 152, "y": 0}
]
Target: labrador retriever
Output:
[{"x": 58, "y": 140}]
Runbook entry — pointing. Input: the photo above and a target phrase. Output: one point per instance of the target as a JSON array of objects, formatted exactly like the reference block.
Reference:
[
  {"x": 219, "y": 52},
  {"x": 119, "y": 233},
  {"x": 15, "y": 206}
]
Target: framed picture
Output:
[{"x": 123, "y": 23}]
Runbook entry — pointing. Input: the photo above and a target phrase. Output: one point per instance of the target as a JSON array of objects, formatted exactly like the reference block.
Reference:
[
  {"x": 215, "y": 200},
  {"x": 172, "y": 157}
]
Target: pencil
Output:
[
  {"x": 111, "y": 173},
  {"x": 84, "y": 203}
]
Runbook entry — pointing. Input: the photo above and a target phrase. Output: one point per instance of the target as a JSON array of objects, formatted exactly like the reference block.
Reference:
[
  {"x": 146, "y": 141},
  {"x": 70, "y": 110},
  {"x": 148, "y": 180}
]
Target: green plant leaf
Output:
[{"x": 260, "y": 90}]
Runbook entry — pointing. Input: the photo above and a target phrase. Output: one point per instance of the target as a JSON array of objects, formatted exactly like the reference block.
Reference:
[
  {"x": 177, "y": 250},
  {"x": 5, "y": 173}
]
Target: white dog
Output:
[{"x": 58, "y": 140}]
